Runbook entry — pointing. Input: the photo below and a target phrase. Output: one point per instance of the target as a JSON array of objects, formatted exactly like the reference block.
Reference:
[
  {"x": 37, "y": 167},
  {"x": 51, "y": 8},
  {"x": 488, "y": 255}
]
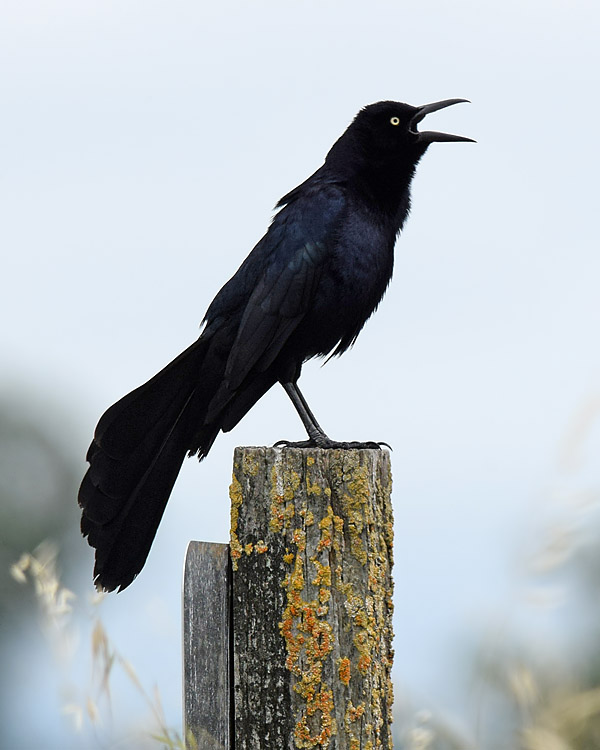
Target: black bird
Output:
[{"x": 305, "y": 290}]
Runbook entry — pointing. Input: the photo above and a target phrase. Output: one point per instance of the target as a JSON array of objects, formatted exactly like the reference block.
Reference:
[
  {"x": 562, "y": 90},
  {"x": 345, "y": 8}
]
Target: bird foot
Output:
[{"x": 327, "y": 443}]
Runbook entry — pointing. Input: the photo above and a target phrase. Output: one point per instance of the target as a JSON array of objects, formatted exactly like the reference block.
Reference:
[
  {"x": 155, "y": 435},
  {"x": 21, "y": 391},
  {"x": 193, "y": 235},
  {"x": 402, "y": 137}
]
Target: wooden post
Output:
[
  {"x": 292, "y": 649},
  {"x": 311, "y": 549},
  {"x": 206, "y": 647}
]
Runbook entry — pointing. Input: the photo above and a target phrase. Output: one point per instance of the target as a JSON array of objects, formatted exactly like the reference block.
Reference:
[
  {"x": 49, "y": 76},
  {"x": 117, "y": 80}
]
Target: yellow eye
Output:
[{"x": 395, "y": 121}]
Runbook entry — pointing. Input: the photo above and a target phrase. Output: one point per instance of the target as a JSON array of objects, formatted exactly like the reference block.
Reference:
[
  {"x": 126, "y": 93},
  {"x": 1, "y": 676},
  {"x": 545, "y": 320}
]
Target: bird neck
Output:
[
  {"x": 383, "y": 184},
  {"x": 386, "y": 187}
]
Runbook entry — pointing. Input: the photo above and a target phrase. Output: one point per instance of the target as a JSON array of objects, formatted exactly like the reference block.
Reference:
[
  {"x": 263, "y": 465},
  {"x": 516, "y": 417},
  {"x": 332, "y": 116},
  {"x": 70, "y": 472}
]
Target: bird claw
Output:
[
  {"x": 299, "y": 444},
  {"x": 328, "y": 444}
]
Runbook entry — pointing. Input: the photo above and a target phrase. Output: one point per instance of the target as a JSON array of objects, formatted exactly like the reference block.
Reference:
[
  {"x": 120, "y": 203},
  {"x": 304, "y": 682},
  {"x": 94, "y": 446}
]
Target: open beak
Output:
[{"x": 429, "y": 136}]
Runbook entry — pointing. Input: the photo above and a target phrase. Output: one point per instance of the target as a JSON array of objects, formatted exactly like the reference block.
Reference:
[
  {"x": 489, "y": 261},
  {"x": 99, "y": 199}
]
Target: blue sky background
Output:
[{"x": 143, "y": 147}]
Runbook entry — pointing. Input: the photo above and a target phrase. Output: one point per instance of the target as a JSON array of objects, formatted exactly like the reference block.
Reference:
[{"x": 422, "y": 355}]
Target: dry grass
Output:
[{"x": 57, "y": 606}]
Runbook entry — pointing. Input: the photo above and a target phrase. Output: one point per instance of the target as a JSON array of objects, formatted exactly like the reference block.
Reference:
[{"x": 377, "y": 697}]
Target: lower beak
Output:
[{"x": 429, "y": 136}]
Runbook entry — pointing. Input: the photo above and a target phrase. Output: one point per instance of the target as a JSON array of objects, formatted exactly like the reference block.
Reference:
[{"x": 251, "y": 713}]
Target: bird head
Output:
[
  {"x": 381, "y": 148},
  {"x": 379, "y": 151},
  {"x": 393, "y": 126}
]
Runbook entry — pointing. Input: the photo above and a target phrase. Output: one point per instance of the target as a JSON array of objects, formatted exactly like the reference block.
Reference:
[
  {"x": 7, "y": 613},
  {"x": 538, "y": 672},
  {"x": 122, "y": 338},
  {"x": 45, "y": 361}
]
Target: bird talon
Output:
[
  {"x": 328, "y": 444},
  {"x": 298, "y": 444}
]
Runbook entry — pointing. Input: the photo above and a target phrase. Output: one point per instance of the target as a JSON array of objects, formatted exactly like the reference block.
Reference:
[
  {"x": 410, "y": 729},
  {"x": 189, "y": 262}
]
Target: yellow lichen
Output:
[
  {"x": 355, "y": 517},
  {"x": 250, "y": 463},
  {"x": 235, "y": 494},
  {"x": 326, "y": 525},
  {"x": 323, "y": 577},
  {"x": 358, "y": 484},
  {"x": 283, "y": 488},
  {"x": 353, "y": 713},
  {"x": 312, "y": 488},
  {"x": 291, "y": 484},
  {"x": 297, "y": 577}
]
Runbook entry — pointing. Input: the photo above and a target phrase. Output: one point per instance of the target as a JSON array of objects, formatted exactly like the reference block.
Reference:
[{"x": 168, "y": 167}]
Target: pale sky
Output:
[{"x": 144, "y": 145}]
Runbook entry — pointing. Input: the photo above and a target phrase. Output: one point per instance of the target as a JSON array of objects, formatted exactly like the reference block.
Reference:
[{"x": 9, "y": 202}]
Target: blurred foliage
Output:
[
  {"x": 38, "y": 482},
  {"x": 540, "y": 692}
]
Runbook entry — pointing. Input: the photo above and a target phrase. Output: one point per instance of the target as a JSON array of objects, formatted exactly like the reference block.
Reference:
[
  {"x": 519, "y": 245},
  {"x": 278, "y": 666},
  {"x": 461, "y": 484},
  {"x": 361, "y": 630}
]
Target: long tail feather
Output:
[{"x": 135, "y": 457}]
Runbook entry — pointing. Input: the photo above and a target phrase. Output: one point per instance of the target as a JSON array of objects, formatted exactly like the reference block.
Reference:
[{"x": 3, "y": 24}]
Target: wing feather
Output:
[{"x": 275, "y": 308}]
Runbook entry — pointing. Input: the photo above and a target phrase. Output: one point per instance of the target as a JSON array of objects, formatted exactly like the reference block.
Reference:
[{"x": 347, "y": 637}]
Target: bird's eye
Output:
[{"x": 395, "y": 121}]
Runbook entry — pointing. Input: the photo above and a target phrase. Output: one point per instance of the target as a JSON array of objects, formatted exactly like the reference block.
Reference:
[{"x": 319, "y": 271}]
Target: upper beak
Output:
[{"x": 429, "y": 136}]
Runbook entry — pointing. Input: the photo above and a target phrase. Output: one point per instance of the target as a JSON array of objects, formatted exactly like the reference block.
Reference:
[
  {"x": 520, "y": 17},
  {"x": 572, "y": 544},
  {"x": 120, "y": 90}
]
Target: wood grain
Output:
[
  {"x": 206, "y": 647},
  {"x": 311, "y": 547}
]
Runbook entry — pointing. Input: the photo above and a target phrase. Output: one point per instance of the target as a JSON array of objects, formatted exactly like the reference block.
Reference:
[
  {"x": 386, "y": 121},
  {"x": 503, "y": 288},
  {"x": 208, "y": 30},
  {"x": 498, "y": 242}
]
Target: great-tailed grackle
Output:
[{"x": 305, "y": 290}]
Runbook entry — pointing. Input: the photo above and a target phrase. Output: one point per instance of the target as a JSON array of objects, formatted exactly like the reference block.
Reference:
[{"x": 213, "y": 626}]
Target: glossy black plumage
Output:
[{"x": 305, "y": 290}]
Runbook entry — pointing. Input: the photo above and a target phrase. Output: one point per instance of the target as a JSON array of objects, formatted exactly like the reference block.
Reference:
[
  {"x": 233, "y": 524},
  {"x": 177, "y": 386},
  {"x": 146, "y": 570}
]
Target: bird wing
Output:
[
  {"x": 285, "y": 290},
  {"x": 276, "y": 306}
]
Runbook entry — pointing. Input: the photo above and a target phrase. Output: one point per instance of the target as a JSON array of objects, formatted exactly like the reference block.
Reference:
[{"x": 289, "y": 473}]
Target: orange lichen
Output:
[
  {"x": 299, "y": 539},
  {"x": 344, "y": 670},
  {"x": 364, "y": 663},
  {"x": 353, "y": 714},
  {"x": 322, "y": 702}
]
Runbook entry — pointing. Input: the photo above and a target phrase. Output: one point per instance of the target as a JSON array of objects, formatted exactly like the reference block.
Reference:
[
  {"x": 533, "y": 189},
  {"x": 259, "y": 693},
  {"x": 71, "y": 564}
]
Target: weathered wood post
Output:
[
  {"x": 311, "y": 626},
  {"x": 207, "y": 666}
]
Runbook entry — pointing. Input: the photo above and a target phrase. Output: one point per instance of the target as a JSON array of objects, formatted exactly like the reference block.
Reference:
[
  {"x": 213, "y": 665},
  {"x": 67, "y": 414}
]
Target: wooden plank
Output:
[
  {"x": 311, "y": 546},
  {"x": 206, "y": 647}
]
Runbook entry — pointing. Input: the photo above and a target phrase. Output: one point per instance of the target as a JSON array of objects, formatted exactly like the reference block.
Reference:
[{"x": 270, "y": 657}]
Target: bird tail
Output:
[{"x": 136, "y": 454}]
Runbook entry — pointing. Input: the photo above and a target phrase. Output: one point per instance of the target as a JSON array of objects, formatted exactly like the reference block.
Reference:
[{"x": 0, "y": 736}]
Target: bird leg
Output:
[{"x": 316, "y": 435}]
